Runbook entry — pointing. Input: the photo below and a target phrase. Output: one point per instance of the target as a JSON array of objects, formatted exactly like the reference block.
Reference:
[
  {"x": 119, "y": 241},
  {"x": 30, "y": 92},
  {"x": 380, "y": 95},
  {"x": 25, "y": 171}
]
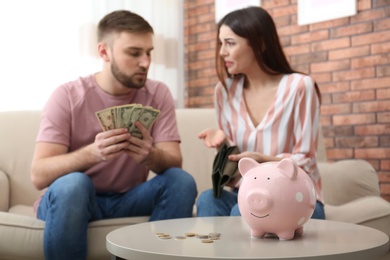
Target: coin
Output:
[
  {"x": 202, "y": 236},
  {"x": 165, "y": 237},
  {"x": 189, "y": 234},
  {"x": 180, "y": 237},
  {"x": 207, "y": 241}
]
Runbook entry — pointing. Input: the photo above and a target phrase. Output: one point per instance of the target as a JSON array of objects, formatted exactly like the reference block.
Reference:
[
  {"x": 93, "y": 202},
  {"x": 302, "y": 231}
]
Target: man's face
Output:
[{"x": 131, "y": 58}]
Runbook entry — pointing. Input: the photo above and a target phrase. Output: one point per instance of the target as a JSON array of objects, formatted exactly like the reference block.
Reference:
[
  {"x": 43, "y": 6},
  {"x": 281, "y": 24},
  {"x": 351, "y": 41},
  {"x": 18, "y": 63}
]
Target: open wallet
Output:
[{"x": 223, "y": 169}]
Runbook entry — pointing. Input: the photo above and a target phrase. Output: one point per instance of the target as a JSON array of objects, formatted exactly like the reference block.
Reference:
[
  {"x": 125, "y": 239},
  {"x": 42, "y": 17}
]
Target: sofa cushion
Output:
[
  {"x": 27, "y": 234},
  {"x": 369, "y": 208},
  {"x": 347, "y": 180}
]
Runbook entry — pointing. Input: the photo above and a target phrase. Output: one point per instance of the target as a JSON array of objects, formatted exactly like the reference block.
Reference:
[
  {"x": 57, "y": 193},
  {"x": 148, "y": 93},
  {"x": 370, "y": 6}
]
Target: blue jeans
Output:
[
  {"x": 71, "y": 202},
  {"x": 226, "y": 205}
]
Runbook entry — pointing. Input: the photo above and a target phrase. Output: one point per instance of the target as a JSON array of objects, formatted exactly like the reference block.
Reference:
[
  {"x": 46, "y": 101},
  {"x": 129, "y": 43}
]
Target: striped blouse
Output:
[{"x": 288, "y": 129}]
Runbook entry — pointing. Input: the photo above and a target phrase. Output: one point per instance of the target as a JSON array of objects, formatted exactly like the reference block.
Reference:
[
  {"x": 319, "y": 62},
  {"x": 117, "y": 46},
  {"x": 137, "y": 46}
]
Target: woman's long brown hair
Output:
[{"x": 258, "y": 28}]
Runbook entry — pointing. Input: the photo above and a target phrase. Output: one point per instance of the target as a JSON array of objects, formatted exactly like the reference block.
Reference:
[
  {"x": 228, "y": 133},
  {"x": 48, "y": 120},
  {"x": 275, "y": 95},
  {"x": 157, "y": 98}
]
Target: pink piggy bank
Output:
[{"x": 275, "y": 197}]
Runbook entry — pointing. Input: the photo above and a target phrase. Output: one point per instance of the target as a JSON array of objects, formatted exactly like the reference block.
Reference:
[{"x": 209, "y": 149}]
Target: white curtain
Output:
[{"x": 48, "y": 42}]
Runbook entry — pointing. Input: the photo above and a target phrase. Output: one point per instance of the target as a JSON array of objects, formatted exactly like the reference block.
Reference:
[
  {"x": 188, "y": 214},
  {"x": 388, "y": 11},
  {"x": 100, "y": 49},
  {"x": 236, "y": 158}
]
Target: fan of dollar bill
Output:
[{"x": 125, "y": 116}]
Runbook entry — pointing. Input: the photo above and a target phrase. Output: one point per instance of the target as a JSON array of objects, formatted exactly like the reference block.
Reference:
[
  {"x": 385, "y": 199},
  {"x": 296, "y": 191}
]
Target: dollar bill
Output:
[
  {"x": 125, "y": 116},
  {"x": 105, "y": 119},
  {"x": 147, "y": 118}
]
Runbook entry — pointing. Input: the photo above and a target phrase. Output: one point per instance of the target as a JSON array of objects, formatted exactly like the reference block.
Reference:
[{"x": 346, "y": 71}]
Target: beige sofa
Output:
[{"x": 350, "y": 187}]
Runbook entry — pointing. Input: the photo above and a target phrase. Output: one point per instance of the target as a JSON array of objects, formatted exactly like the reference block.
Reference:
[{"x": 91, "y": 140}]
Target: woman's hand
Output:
[{"x": 212, "y": 138}]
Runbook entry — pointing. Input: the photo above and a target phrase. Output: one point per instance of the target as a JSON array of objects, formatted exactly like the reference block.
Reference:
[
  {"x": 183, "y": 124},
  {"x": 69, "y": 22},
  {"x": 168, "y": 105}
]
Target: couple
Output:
[{"x": 87, "y": 175}]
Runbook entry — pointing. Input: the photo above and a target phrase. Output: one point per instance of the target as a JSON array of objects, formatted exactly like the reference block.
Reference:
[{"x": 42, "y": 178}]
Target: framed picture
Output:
[
  {"x": 223, "y": 7},
  {"x": 314, "y": 11}
]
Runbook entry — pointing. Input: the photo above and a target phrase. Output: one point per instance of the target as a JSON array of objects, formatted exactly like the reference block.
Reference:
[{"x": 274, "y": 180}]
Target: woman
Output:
[{"x": 263, "y": 106}]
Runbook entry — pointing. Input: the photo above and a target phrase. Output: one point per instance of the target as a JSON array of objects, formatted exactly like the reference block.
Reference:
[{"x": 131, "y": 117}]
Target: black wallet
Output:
[{"x": 223, "y": 169}]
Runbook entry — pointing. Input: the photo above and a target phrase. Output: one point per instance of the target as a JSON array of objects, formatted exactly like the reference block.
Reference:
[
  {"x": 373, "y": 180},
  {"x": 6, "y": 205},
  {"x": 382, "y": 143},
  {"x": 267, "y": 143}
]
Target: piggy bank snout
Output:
[{"x": 259, "y": 200}]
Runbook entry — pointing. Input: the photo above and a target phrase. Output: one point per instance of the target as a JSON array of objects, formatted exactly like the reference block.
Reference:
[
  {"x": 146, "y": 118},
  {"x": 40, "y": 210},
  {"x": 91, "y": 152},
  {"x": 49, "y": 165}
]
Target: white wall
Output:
[{"x": 45, "y": 43}]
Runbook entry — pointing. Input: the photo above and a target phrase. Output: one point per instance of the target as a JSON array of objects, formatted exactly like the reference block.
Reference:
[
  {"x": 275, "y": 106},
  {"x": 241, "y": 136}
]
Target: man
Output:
[{"x": 92, "y": 175}]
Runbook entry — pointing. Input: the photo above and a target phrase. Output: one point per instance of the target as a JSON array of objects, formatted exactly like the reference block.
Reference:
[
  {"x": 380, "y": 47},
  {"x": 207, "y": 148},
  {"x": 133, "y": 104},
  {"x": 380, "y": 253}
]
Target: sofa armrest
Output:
[
  {"x": 374, "y": 208},
  {"x": 4, "y": 192},
  {"x": 348, "y": 180}
]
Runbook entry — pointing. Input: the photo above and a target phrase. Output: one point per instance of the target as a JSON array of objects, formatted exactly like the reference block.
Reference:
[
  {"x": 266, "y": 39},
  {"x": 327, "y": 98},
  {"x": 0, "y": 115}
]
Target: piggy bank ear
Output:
[
  {"x": 246, "y": 164},
  {"x": 289, "y": 168}
]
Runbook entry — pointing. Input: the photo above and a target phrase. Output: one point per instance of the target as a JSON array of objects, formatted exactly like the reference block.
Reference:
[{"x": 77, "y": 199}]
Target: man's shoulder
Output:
[{"x": 153, "y": 84}]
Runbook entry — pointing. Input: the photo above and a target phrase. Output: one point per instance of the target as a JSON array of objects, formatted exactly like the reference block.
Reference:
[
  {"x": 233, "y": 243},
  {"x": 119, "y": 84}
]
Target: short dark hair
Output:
[{"x": 122, "y": 20}]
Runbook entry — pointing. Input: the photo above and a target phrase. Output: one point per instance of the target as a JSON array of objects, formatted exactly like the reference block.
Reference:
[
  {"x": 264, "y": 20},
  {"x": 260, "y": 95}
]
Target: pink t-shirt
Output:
[
  {"x": 69, "y": 119},
  {"x": 288, "y": 129}
]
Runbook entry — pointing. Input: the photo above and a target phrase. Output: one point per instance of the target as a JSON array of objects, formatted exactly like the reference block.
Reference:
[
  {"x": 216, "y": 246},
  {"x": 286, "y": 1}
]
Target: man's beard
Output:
[{"x": 126, "y": 80}]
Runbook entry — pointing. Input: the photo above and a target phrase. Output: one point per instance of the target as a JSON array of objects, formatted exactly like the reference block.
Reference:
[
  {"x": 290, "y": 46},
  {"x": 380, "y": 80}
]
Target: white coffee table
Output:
[{"x": 322, "y": 239}]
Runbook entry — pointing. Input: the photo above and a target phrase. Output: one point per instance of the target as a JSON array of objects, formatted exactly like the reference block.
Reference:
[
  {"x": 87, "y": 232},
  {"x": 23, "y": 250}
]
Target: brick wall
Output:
[{"x": 348, "y": 57}]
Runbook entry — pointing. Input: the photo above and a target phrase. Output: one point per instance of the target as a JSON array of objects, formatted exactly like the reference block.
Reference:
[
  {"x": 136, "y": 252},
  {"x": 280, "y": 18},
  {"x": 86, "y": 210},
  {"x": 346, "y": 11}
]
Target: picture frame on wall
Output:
[
  {"x": 223, "y": 7},
  {"x": 314, "y": 11}
]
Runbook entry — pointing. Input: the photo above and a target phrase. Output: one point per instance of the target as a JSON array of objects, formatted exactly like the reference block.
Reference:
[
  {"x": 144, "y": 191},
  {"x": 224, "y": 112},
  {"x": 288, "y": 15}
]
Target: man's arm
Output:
[{"x": 52, "y": 160}]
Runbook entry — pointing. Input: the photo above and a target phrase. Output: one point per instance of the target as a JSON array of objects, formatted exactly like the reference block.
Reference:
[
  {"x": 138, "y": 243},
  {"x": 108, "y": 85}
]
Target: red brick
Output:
[
  {"x": 334, "y": 131},
  {"x": 383, "y": 93},
  {"x": 206, "y": 54},
  {"x": 201, "y": 64},
  {"x": 384, "y": 118},
  {"x": 291, "y": 29},
  {"x": 329, "y": 24},
  {"x": 297, "y": 49},
  {"x": 370, "y": 38},
  {"x": 199, "y": 82},
  {"x": 385, "y": 188},
  {"x": 356, "y": 141},
  {"x": 335, "y": 87},
  {"x": 206, "y": 36},
  {"x": 283, "y": 10},
  {"x": 385, "y": 165},
  {"x": 310, "y": 37},
  {"x": 282, "y": 21},
  {"x": 304, "y": 68},
  {"x": 371, "y": 106},
  {"x": 339, "y": 153},
  {"x": 328, "y": 142},
  {"x": 383, "y": 24},
  {"x": 308, "y": 58},
  {"x": 384, "y": 176},
  {"x": 370, "y": 61},
  {"x": 354, "y": 96},
  {"x": 372, "y": 153},
  {"x": 353, "y": 74},
  {"x": 325, "y": 120},
  {"x": 347, "y": 53},
  {"x": 331, "y": 44},
  {"x": 330, "y": 66},
  {"x": 363, "y": 5},
  {"x": 199, "y": 46},
  {"x": 383, "y": 47},
  {"x": 322, "y": 77},
  {"x": 336, "y": 109},
  {"x": 199, "y": 9},
  {"x": 380, "y": 3},
  {"x": 382, "y": 71},
  {"x": 380, "y": 129},
  {"x": 353, "y": 29},
  {"x": 368, "y": 15},
  {"x": 370, "y": 83},
  {"x": 268, "y": 4},
  {"x": 355, "y": 119}
]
